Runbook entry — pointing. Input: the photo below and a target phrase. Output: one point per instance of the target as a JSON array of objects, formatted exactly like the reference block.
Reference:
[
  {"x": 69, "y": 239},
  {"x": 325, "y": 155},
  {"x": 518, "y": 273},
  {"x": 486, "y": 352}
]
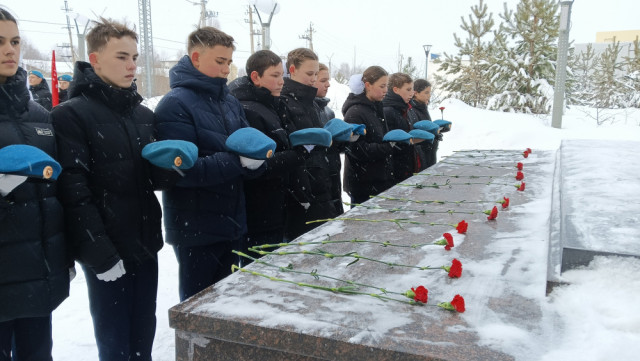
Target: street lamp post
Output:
[
  {"x": 426, "y": 65},
  {"x": 561, "y": 65}
]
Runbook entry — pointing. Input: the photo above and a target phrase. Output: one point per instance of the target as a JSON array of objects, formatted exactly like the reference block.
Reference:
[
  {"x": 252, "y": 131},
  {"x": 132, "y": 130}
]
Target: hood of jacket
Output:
[
  {"x": 14, "y": 95},
  {"x": 361, "y": 99},
  {"x": 87, "y": 83},
  {"x": 185, "y": 75},
  {"x": 395, "y": 101},
  {"x": 244, "y": 90}
]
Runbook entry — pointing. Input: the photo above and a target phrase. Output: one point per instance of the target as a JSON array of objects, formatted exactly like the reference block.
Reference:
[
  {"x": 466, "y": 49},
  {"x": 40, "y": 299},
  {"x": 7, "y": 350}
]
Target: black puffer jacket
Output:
[
  {"x": 266, "y": 195},
  {"x": 106, "y": 187},
  {"x": 41, "y": 94},
  {"x": 34, "y": 276},
  {"x": 368, "y": 163},
  {"x": 333, "y": 153},
  {"x": 396, "y": 112},
  {"x": 299, "y": 101},
  {"x": 63, "y": 95},
  {"x": 429, "y": 151}
]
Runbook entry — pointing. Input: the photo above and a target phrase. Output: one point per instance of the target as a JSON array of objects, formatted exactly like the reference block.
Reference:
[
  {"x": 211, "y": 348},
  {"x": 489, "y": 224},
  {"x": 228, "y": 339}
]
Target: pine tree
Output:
[
  {"x": 609, "y": 90},
  {"x": 471, "y": 83},
  {"x": 582, "y": 66},
  {"x": 632, "y": 79},
  {"x": 411, "y": 69},
  {"x": 523, "y": 67}
]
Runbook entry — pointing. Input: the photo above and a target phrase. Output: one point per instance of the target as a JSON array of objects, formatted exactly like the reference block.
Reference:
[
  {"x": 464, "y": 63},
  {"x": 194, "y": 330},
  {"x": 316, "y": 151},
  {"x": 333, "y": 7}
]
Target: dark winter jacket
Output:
[
  {"x": 41, "y": 94},
  {"x": 299, "y": 101},
  {"x": 63, "y": 95},
  {"x": 333, "y": 153},
  {"x": 421, "y": 112},
  {"x": 106, "y": 187},
  {"x": 207, "y": 205},
  {"x": 34, "y": 275},
  {"x": 397, "y": 114},
  {"x": 266, "y": 195},
  {"x": 368, "y": 163}
]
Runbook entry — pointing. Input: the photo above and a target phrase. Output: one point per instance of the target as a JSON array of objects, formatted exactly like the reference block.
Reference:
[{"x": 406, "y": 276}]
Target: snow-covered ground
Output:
[{"x": 597, "y": 309}]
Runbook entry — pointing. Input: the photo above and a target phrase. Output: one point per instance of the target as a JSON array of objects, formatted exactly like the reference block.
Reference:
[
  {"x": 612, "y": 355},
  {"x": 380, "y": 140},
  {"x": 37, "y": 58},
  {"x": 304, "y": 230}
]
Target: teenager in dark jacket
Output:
[
  {"x": 34, "y": 267},
  {"x": 298, "y": 94},
  {"x": 419, "y": 103},
  {"x": 333, "y": 153},
  {"x": 107, "y": 190},
  {"x": 406, "y": 160},
  {"x": 64, "y": 81},
  {"x": 205, "y": 213},
  {"x": 39, "y": 89},
  {"x": 259, "y": 93},
  {"x": 368, "y": 162}
]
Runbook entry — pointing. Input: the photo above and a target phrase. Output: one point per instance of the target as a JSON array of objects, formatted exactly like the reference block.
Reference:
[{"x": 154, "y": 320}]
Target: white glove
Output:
[
  {"x": 354, "y": 137},
  {"x": 309, "y": 147},
  {"x": 306, "y": 205},
  {"x": 114, "y": 273},
  {"x": 393, "y": 144},
  {"x": 249, "y": 163},
  {"x": 9, "y": 182}
]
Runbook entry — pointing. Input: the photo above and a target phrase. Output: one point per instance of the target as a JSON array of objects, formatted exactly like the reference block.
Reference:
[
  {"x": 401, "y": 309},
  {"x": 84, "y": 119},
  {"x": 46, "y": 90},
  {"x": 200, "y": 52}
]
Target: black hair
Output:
[
  {"x": 420, "y": 85},
  {"x": 5, "y": 15},
  {"x": 262, "y": 60}
]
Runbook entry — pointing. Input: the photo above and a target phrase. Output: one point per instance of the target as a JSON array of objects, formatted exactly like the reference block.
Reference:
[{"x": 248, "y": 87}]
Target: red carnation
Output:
[
  {"x": 519, "y": 166},
  {"x": 493, "y": 214},
  {"x": 458, "y": 303},
  {"x": 449, "y": 239},
  {"x": 520, "y": 187},
  {"x": 519, "y": 175},
  {"x": 462, "y": 226},
  {"x": 421, "y": 294},
  {"x": 455, "y": 270},
  {"x": 529, "y": 150},
  {"x": 525, "y": 154},
  {"x": 504, "y": 202},
  {"x": 441, "y": 108}
]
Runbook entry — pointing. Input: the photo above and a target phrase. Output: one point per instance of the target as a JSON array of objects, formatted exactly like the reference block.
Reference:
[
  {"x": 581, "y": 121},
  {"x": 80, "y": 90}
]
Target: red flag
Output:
[{"x": 55, "y": 98}]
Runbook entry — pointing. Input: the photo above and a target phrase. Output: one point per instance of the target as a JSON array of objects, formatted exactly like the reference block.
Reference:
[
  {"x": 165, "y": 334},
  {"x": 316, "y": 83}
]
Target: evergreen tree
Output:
[
  {"x": 609, "y": 90},
  {"x": 582, "y": 66},
  {"x": 411, "y": 69},
  {"x": 471, "y": 83},
  {"x": 632, "y": 79},
  {"x": 524, "y": 64}
]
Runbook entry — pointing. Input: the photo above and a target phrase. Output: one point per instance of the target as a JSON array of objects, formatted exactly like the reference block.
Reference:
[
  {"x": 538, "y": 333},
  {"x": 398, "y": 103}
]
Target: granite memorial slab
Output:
[{"x": 371, "y": 255}]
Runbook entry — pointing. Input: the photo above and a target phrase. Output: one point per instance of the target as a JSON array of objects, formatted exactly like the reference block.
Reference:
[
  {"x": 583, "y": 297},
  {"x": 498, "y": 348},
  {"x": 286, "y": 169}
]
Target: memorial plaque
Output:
[{"x": 380, "y": 250}]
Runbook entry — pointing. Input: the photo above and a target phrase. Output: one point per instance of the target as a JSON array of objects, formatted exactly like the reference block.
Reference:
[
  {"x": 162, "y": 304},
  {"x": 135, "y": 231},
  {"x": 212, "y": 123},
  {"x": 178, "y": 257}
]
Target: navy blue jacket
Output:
[
  {"x": 207, "y": 205},
  {"x": 34, "y": 275}
]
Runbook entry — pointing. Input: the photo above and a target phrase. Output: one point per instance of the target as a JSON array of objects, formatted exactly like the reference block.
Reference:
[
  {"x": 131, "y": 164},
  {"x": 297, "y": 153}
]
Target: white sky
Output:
[{"x": 376, "y": 31}]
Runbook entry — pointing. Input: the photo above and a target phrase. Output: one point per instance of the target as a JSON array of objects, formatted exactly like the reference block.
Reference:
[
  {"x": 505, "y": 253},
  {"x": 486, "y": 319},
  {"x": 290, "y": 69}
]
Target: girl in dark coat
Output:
[
  {"x": 419, "y": 103},
  {"x": 34, "y": 267},
  {"x": 298, "y": 94},
  {"x": 265, "y": 196},
  {"x": 406, "y": 160},
  {"x": 368, "y": 162}
]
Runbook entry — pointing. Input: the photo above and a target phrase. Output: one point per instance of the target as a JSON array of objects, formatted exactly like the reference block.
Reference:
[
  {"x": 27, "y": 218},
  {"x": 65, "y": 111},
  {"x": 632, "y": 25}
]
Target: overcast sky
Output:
[{"x": 374, "y": 30}]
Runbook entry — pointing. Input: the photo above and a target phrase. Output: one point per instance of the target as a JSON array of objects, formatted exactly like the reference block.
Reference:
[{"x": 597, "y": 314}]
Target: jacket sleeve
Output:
[
  {"x": 364, "y": 149},
  {"x": 214, "y": 166},
  {"x": 83, "y": 222}
]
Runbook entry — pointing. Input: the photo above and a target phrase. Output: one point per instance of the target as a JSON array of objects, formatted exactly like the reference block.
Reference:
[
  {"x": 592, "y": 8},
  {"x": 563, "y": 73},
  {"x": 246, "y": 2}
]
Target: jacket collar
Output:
[
  {"x": 185, "y": 75},
  {"x": 14, "y": 95}
]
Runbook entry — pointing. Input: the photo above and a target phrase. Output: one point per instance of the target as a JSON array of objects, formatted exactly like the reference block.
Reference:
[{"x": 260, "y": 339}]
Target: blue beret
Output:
[
  {"x": 311, "y": 136},
  {"x": 428, "y": 126},
  {"x": 422, "y": 134},
  {"x": 444, "y": 124},
  {"x": 251, "y": 143},
  {"x": 65, "y": 77},
  {"x": 36, "y": 73},
  {"x": 26, "y": 160},
  {"x": 171, "y": 153},
  {"x": 397, "y": 135},
  {"x": 339, "y": 129},
  {"x": 359, "y": 129}
]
